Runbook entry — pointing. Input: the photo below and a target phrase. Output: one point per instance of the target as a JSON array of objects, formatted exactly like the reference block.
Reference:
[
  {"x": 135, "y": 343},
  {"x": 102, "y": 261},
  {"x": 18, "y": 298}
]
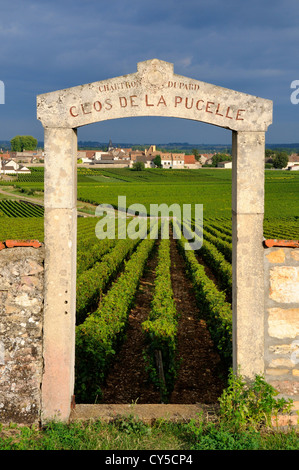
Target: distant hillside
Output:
[{"x": 170, "y": 146}]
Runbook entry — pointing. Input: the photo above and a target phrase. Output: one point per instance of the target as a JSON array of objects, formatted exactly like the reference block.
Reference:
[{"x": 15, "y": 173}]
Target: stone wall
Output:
[
  {"x": 282, "y": 318},
  {"x": 21, "y": 327}
]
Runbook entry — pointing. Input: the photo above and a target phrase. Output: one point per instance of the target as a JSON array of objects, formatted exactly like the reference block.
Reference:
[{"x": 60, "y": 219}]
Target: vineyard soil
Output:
[{"x": 201, "y": 376}]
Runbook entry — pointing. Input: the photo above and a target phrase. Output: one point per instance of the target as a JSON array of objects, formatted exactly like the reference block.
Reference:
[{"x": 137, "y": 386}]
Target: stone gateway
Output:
[{"x": 154, "y": 90}]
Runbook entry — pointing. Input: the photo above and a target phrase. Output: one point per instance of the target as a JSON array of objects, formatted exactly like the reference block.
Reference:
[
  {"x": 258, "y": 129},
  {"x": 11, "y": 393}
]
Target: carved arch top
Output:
[{"x": 154, "y": 90}]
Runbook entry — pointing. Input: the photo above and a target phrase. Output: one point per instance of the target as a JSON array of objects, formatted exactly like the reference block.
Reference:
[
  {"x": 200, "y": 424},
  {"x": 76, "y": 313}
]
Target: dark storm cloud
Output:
[{"x": 250, "y": 46}]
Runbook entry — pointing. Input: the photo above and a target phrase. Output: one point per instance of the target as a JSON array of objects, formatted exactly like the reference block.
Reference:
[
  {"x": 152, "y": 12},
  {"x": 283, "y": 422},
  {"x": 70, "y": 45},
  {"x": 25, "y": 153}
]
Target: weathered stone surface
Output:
[
  {"x": 281, "y": 362},
  {"x": 283, "y": 323},
  {"x": 21, "y": 323},
  {"x": 60, "y": 311},
  {"x": 270, "y": 371},
  {"x": 295, "y": 254},
  {"x": 248, "y": 294},
  {"x": 154, "y": 90},
  {"x": 284, "y": 284},
  {"x": 248, "y": 173},
  {"x": 282, "y": 421},
  {"x": 147, "y": 413},
  {"x": 277, "y": 256},
  {"x": 285, "y": 349},
  {"x": 286, "y": 387},
  {"x": 60, "y": 169}
]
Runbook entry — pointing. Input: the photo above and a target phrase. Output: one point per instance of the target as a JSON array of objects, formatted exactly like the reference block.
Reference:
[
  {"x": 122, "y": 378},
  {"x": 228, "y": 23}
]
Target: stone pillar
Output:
[
  {"x": 60, "y": 272},
  {"x": 247, "y": 260}
]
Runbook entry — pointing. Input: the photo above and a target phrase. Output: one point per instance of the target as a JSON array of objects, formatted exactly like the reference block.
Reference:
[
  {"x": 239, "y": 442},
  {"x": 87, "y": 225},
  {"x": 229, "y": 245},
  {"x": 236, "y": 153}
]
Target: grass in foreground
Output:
[
  {"x": 243, "y": 423},
  {"x": 131, "y": 434}
]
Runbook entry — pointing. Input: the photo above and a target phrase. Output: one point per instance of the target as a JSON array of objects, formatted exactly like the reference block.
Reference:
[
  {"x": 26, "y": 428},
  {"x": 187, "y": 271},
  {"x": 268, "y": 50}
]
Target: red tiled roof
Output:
[
  {"x": 6, "y": 156},
  {"x": 190, "y": 159},
  {"x": 294, "y": 158}
]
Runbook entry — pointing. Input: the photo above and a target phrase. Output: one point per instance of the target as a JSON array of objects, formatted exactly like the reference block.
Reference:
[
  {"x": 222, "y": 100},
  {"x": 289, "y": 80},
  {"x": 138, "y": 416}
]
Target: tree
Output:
[
  {"x": 268, "y": 153},
  {"x": 23, "y": 142},
  {"x": 280, "y": 160},
  {"x": 196, "y": 154},
  {"x": 138, "y": 166},
  {"x": 220, "y": 157},
  {"x": 157, "y": 161}
]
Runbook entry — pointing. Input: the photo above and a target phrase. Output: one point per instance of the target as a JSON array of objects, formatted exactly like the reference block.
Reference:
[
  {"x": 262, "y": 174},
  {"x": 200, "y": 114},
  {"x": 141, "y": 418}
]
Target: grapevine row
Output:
[
  {"x": 20, "y": 209},
  {"x": 216, "y": 261},
  {"x": 218, "y": 233},
  {"x": 98, "y": 337},
  {"x": 224, "y": 247},
  {"x": 92, "y": 254},
  {"x": 212, "y": 303},
  {"x": 161, "y": 326},
  {"x": 219, "y": 265},
  {"x": 224, "y": 230},
  {"x": 90, "y": 249},
  {"x": 92, "y": 282}
]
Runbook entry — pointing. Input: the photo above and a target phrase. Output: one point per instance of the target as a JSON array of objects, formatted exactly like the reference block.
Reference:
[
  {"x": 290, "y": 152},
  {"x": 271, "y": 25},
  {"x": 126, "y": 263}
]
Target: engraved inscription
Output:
[
  {"x": 159, "y": 101},
  {"x": 183, "y": 86},
  {"x": 154, "y": 77},
  {"x": 126, "y": 85}
]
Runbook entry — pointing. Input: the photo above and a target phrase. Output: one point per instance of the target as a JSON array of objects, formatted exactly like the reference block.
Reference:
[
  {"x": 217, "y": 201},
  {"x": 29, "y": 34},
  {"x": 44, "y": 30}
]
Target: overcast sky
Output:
[{"x": 249, "y": 46}]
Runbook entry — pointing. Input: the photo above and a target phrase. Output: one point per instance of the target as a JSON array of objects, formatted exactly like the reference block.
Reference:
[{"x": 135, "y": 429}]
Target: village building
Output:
[
  {"x": 152, "y": 151},
  {"x": 191, "y": 163},
  {"x": 166, "y": 160},
  {"x": 206, "y": 158},
  {"x": 125, "y": 157},
  {"x": 178, "y": 160},
  {"x": 293, "y": 163},
  {"x": 11, "y": 167},
  {"x": 5, "y": 157},
  {"x": 146, "y": 159},
  {"x": 82, "y": 154},
  {"x": 101, "y": 156},
  {"x": 27, "y": 156},
  {"x": 227, "y": 164}
]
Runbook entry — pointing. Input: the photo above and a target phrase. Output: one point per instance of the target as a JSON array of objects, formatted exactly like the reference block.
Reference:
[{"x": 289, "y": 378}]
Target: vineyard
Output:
[
  {"x": 106, "y": 299},
  {"x": 154, "y": 321},
  {"x": 12, "y": 208}
]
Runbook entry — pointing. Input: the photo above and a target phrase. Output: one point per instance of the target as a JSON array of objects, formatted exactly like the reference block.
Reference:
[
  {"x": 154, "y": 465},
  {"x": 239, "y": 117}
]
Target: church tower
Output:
[{"x": 110, "y": 146}]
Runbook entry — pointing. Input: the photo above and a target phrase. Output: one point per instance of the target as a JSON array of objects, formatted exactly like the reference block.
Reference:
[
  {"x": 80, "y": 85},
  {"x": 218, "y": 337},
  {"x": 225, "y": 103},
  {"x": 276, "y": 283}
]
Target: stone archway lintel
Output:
[{"x": 154, "y": 90}]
